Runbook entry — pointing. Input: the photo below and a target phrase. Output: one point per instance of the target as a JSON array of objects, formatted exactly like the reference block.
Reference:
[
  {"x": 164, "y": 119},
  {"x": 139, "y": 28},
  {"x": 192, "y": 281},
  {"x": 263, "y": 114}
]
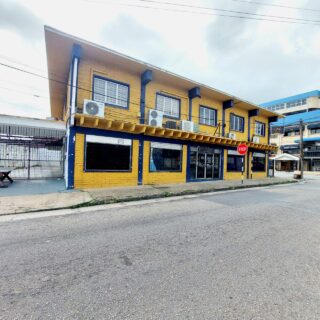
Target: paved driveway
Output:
[{"x": 250, "y": 254}]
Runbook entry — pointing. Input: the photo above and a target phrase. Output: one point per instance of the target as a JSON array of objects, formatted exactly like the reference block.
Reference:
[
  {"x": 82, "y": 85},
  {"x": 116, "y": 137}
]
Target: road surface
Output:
[{"x": 252, "y": 254}]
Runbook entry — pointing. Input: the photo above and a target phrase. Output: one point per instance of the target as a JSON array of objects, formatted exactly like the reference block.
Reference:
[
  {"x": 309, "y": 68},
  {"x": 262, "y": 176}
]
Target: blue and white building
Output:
[{"x": 285, "y": 133}]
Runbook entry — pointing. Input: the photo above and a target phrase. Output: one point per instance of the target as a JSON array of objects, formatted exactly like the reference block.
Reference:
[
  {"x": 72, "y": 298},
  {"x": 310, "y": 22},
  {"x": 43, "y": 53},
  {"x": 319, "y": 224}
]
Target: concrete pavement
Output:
[
  {"x": 249, "y": 254},
  {"x": 91, "y": 197}
]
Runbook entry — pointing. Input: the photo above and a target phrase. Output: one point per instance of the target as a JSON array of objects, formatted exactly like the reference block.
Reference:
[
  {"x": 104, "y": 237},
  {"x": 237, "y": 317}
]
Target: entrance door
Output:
[{"x": 206, "y": 165}]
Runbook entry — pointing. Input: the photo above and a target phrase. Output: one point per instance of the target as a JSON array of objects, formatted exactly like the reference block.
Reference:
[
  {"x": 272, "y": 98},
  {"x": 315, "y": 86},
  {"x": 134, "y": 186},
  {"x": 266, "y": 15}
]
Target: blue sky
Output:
[{"x": 255, "y": 60}]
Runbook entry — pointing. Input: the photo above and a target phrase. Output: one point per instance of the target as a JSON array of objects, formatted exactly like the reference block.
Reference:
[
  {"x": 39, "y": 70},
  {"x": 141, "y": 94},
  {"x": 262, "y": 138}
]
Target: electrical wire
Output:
[
  {"x": 90, "y": 91},
  {"x": 198, "y": 12},
  {"x": 276, "y": 5}
]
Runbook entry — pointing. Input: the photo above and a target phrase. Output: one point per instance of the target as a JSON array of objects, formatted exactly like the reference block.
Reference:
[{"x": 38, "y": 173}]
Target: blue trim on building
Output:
[
  {"x": 306, "y": 117},
  {"x": 71, "y": 156},
  {"x": 172, "y": 97},
  {"x": 225, "y": 105},
  {"x": 308, "y": 140},
  {"x": 215, "y": 116},
  {"x": 305, "y": 95},
  {"x": 146, "y": 77},
  {"x": 115, "y": 81},
  {"x": 193, "y": 93}
]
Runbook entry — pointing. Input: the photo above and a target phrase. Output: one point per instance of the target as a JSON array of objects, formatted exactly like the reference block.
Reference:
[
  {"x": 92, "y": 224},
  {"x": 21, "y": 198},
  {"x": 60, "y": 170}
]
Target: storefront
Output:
[{"x": 205, "y": 163}]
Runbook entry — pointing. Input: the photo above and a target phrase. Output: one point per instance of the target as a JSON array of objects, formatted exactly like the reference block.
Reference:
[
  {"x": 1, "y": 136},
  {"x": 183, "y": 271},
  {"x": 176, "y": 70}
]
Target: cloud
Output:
[
  {"x": 128, "y": 35},
  {"x": 18, "y": 18},
  {"x": 261, "y": 61}
]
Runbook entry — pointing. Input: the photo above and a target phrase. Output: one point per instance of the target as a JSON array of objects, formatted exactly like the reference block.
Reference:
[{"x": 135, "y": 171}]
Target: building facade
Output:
[
  {"x": 300, "y": 103},
  {"x": 132, "y": 123},
  {"x": 285, "y": 133}
]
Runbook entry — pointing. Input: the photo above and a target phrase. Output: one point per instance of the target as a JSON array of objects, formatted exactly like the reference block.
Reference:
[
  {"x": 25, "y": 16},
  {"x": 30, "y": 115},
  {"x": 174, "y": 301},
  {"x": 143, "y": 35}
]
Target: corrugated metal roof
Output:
[
  {"x": 32, "y": 122},
  {"x": 305, "y": 95},
  {"x": 307, "y": 117}
]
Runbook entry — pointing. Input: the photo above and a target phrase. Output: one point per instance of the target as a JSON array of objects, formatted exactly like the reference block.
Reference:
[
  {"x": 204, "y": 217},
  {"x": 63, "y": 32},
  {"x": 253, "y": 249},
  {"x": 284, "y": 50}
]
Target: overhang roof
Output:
[
  {"x": 59, "y": 47},
  {"x": 285, "y": 157},
  {"x": 306, "y": 117}
]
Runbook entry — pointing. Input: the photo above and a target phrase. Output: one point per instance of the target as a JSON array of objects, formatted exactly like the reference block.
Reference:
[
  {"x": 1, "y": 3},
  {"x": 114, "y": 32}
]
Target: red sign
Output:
[{"x": 242, "y": 149}]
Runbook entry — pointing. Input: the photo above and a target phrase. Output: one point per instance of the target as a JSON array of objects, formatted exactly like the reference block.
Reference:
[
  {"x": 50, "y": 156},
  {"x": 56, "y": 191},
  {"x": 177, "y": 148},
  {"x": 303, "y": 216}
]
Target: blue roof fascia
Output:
[
  {"x": 308, "y": 139},
  {"x": 314, "y": 93},
  {"x": 307, "y": 117}
]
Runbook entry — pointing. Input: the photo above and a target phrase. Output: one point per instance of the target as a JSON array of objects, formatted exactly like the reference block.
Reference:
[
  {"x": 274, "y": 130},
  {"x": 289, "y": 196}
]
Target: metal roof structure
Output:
[
  {"x": 305, "y": 95},
  {"x": 306, "y": 117}
]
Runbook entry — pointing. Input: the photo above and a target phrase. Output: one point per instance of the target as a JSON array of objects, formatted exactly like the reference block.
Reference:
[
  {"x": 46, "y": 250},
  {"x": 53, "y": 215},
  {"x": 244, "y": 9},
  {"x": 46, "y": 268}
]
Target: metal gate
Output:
[{"x": 32, "y": 154}]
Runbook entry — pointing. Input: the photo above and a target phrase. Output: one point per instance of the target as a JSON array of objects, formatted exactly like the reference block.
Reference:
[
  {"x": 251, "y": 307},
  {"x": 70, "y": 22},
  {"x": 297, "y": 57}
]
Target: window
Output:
[
  {"x": 107, "y": 154},
  {"x": 168, "y": 105},
  {"x": 165, "y": 157},
  {"x": 314, "y": 131},
  {"x": 208, "y": 116},
  {"x": 258, "y": 162},
  {"x": 234, "y": 161},
  {"x": 236, "y": 123},
  {"x": 292, "y": 133},
  {"x": 110, "y": 92},
  {"x": 260, "y": 128}
]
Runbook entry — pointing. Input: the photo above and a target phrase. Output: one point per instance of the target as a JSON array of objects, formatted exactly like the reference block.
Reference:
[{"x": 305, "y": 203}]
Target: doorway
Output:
[{"x": 204, "y": 163}]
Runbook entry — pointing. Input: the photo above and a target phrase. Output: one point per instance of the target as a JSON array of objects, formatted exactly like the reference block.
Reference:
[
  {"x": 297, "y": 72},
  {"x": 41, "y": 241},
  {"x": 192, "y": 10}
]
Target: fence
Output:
[{"x": 32, "y": 153}]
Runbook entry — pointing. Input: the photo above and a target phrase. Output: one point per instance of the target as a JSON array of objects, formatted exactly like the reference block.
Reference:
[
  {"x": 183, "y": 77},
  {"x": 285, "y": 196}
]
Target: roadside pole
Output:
[
  {"x": 301, "y": 147},
  {"x": 242, "y": 150}
]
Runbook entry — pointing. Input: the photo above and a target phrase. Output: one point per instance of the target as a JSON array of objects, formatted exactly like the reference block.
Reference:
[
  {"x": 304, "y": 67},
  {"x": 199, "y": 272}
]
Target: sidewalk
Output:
[{"x": 78, "y": 198}]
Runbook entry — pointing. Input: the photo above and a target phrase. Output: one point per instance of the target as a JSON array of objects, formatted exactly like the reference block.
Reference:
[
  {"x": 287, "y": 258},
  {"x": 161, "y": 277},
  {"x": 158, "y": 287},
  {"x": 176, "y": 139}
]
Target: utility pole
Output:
[{"x": 301, "y": 147}]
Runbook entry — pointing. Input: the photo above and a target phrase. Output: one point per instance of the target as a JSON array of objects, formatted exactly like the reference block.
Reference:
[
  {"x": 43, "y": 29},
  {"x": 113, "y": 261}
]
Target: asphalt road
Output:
[{"x": 251, "y": 254}]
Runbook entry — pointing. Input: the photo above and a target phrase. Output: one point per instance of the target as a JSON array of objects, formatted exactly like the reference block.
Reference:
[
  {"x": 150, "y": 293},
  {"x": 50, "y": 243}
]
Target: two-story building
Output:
[{"x": 131, "y": 123}]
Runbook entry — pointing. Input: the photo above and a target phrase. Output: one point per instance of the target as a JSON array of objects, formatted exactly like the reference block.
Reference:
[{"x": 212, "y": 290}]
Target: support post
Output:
[{"x": 301, "y": 147}]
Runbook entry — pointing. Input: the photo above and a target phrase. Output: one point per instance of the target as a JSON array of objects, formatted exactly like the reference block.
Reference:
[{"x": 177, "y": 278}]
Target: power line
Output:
[
  {"x": 277, "y": 5},
  {"x": 201, "y": 13},
  {"x": 90, "y": 91},
  {"x": 225, "y": 10}
]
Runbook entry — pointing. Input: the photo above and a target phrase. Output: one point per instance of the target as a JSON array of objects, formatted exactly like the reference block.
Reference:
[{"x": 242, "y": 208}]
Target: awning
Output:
[
  {"x": 289, "y": 146},
  {"x": 314, "y": 126},
  {"x": 285, "y": 157},
  {"x": 314, "y": 139}
]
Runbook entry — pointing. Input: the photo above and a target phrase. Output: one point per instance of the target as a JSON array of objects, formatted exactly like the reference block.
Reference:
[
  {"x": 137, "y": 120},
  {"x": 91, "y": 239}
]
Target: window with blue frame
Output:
[
  {"x": 235, "y": 161},
  {"x": 258, "y": 162},
  {"x": 110, "y": 92},
  {"x": 165, "y": 157},
  {"x": 260, "y": 128},
  {"x": 170, "y": 106},
  {"x": 236, "y": 123},
  {"x": 207, "y": 116}
]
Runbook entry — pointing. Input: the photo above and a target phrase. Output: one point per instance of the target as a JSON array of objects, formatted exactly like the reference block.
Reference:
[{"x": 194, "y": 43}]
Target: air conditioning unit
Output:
[
  {"x": 93, "y": 108},
  {"x": 255, "y": 139},
  {"x": 171, "y": 125},
  {"x": 187, "y": 125},
  {"x": 155, "y": 118},
  {"x": 232, "y": 135}
]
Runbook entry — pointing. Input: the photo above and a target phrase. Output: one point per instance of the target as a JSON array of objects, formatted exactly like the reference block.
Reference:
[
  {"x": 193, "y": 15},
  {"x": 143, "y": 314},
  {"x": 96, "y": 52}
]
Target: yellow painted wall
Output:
[
  {"x": 258, "y": 175},
  {"x": 229, "y": 175},
  {"x": 242, "y": 113},
  {"x": 263, "y": 139},
  {"x": 211, "y": 103},
  {"x": 90, "y": 67},
  {"x": 163, "y": 177},
  {"x": 102, "y": 179}
]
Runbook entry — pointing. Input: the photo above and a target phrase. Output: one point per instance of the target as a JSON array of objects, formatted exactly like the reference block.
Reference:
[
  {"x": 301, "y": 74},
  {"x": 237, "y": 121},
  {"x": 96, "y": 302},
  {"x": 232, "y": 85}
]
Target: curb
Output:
[{"x": 96, "y": 203}]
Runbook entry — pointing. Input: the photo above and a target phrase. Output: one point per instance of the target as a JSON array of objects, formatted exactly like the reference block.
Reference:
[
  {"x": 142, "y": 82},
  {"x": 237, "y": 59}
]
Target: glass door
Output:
[
  {"x": 216, "y": 166},
  {"x": 201, "y": 167},
  {"x": 209, "y": 166}
]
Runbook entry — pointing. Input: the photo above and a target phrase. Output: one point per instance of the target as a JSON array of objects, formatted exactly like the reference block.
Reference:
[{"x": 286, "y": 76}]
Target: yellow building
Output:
[{"x": 132, "y": 123}]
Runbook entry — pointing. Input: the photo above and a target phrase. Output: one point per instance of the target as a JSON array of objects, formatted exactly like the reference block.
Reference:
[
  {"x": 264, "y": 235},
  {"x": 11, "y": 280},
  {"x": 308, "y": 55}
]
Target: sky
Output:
[{"x": 256, "y": 60}]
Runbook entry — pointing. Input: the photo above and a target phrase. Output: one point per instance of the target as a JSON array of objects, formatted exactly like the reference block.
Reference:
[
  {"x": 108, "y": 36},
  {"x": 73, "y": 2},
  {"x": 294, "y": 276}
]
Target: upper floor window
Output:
[
  {"x": 110, "y": 92},
  {"x": 236, "y": 123},
  {"x": 260, "y": 128},
  {"x": 208, "y": 116},
  {"x": 168, "y": 105}
]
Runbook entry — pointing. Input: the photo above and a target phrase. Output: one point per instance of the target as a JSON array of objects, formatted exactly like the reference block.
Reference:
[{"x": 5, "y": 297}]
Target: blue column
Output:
[
  {"x": 193, "y": 93},
  {"x": 225, "y": 105},
  {"x": 146, "y": 77},
  {"x": 70, "y": 157}
]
